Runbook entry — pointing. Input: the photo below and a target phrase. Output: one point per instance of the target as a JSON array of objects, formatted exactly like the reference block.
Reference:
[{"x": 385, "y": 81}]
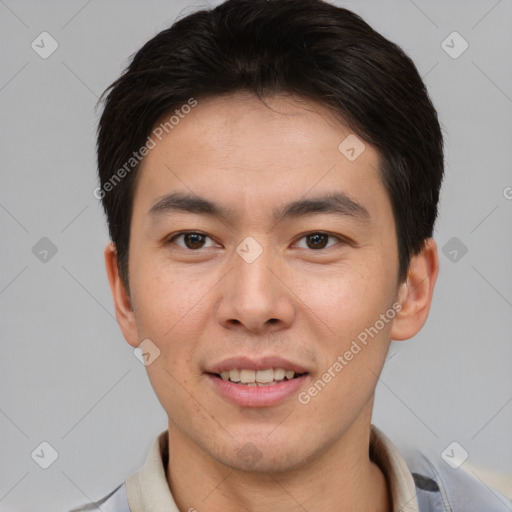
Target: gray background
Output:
[{"x": 68, "y": 377}]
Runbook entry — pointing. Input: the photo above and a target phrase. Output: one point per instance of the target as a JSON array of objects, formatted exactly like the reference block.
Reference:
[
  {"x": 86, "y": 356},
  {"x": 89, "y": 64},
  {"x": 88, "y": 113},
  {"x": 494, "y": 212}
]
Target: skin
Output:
[{"x": 202, "y": 304}]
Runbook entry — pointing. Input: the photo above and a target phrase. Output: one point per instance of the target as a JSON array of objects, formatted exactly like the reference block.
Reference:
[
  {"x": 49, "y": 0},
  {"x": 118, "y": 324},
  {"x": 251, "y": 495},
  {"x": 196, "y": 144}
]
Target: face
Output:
[{"x": 245, "y": 265}]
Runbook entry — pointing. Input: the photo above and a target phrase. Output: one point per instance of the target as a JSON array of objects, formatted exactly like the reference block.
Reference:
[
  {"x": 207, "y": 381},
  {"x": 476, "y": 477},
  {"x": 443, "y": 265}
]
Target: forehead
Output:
[{"x": 249, "y": 151}]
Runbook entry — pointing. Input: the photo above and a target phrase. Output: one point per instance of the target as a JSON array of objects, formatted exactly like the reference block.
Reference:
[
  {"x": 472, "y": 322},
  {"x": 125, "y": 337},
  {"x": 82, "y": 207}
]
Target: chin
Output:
[
  {"x": 267, "y": 464},
  {"x": 265, "y": 457}
]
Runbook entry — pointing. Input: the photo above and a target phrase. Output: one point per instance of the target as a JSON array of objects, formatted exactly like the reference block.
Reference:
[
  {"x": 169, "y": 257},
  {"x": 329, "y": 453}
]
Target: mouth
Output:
[
  {"x": 263, "y": 382},
  {"x": 258, "y": 378}
]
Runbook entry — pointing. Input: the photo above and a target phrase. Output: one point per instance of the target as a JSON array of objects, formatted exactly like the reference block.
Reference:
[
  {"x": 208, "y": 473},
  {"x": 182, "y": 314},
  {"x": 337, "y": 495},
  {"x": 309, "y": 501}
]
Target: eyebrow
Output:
[{"x": 337, "y": 203}]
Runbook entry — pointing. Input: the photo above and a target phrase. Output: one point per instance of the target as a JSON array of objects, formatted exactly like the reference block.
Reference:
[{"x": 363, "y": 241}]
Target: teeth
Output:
[
  {"x": 247, "y": 376},
  {"x": 265, "y": 375},
  {"x": 234, "y": 375},
  {"x": 279, "y": 374},
  {"x": 253, "y": 378}
]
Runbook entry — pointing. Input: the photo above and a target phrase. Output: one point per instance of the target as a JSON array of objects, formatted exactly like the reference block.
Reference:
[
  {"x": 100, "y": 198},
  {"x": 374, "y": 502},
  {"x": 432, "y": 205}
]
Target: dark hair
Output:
[{"x": 306, "y": 47}]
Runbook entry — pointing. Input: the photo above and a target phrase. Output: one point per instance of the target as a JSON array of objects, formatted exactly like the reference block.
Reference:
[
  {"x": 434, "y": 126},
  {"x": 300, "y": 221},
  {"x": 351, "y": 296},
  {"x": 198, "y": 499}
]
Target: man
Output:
[{"x": 270, "y": 171}]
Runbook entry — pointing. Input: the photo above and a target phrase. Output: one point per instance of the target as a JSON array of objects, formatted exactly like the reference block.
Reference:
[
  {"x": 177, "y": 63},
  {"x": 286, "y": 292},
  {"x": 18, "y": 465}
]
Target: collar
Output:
[
  {"x": 147, "y": 489},
  {"x": 400, "y": 481}
]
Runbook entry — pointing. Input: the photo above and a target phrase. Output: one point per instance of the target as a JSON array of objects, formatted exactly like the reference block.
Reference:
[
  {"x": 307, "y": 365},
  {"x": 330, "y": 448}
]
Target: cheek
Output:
[
  {"x": 166, "y": 299},
  {"x": 170, "y": 310},
  {"x": 354, "y": 351},
  {"x": 347, "y": 301},
  {"x": 172, "y": 385}
]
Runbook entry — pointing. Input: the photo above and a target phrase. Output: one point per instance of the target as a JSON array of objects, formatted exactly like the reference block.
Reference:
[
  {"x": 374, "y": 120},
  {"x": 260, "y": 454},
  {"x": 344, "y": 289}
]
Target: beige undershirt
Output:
[{"x": 148, "y": 491}]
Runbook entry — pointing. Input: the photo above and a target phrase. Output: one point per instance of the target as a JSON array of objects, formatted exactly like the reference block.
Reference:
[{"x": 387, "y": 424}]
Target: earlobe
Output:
[
  {"x": 122, "y": 302},
  {"x": 415, "y": 293}
]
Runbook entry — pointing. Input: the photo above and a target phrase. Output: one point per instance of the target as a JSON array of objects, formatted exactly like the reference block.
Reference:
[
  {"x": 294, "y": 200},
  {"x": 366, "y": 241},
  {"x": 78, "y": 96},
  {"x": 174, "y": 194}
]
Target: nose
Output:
[{"x": 255, "y": 296}]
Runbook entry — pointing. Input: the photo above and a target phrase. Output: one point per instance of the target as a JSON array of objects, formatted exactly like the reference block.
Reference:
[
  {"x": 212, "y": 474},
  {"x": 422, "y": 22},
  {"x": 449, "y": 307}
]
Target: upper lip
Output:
[{"x": 260, "y": 363}]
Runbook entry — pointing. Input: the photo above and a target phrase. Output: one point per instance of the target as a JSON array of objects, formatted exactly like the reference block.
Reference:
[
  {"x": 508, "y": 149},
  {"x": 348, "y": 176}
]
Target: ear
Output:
[
  {"x": 415, "y": 293},
  {"x": 123, "y": 307}
]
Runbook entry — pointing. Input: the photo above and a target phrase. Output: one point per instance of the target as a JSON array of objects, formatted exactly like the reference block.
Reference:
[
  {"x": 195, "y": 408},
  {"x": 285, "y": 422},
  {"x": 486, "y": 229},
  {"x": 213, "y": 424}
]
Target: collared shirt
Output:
[{"x": 418, "y": 485}]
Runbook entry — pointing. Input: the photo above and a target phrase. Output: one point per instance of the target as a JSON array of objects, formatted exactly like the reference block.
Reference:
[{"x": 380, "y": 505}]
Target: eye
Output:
[
  {"x": 318, "y": 240},
  {"x": 193, "y": 240}
]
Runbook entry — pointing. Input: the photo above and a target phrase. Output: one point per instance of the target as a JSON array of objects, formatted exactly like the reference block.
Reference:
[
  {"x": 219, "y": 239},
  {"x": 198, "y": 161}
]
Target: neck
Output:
[{"x": 341, "y": 479}]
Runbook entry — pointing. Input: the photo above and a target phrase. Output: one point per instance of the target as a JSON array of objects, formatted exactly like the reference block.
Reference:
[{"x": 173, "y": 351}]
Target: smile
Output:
[
  {"x": 268, "y": 377},
  {"x": 257, "y": 394}
]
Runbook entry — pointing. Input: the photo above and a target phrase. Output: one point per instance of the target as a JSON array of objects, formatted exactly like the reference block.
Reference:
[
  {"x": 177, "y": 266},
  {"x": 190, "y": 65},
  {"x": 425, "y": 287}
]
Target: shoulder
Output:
[
  {"x": 439, "y": 487},
  {"x": 114, "y": 501}
]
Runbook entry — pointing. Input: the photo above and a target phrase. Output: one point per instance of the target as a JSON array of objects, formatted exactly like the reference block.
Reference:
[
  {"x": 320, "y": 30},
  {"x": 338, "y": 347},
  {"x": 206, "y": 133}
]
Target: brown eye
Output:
[
  {"x": 191, "y": 240},
  {"x": 319, "y": 240}
]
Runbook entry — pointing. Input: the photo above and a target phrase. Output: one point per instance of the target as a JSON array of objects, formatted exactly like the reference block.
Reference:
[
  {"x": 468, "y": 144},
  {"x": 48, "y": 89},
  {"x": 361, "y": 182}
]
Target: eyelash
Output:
[{"x": 182, "y": 233}]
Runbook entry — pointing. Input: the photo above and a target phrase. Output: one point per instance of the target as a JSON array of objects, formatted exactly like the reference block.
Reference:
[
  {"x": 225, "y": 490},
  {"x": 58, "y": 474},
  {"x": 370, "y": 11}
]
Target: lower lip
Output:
[{"x": 257, "y": 396}]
